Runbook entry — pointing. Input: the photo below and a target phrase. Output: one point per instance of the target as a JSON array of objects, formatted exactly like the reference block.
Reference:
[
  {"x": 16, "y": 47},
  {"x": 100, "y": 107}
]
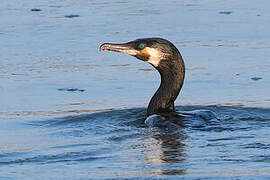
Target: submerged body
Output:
[{"x": 166, "y": 58}]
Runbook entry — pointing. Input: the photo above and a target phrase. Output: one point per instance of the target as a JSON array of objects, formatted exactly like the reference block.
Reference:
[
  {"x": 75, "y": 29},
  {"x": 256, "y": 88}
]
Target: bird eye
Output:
[{"x": 141, "y": 46}]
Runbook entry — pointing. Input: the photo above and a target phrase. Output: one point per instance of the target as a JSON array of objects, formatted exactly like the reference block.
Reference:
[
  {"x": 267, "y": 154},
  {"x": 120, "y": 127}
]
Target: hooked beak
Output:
[{"x": 122, "y": 48}]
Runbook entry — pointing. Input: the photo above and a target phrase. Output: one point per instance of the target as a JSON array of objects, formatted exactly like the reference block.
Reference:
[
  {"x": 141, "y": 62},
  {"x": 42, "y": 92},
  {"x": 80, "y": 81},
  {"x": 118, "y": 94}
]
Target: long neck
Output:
[{"x": 172, "y": 72}]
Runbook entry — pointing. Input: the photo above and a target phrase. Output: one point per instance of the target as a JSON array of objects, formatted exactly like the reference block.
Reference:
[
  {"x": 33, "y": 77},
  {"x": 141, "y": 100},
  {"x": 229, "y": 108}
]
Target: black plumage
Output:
[{"x": 166, "y": 58}]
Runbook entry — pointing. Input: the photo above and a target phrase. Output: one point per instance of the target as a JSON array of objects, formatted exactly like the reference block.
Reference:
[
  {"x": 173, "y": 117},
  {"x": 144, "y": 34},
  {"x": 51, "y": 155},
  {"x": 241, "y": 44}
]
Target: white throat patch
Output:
[{"x": 154, "y": 56}]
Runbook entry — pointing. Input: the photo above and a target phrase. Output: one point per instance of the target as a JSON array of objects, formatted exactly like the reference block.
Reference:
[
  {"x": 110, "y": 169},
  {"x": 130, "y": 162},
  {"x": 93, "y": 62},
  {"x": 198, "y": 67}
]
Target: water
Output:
[{"x": 68, "y": 111}]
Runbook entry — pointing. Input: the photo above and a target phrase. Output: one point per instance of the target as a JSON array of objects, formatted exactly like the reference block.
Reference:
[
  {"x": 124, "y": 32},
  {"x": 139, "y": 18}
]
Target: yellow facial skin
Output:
[{"x": 145, "y": 52}]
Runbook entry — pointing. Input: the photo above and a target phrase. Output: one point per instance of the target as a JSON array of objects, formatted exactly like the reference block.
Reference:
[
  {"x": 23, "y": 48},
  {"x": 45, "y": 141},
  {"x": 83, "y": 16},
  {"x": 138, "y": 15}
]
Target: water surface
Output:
[{"x": 68, "y": 111}]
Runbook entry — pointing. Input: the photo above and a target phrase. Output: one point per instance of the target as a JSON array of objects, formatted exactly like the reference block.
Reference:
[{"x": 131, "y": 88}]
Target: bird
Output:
[{"x": 168, "y": 61}]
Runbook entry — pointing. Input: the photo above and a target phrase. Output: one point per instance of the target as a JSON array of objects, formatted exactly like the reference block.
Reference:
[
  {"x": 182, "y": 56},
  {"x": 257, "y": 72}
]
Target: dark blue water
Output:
[
  {"x": 117, "y": 144},
  {"x": 68, "y": 111}
]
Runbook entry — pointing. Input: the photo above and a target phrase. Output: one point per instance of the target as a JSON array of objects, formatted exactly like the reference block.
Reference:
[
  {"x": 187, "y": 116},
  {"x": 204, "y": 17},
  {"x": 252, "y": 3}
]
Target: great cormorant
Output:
[{"x": 166, "y": 58}]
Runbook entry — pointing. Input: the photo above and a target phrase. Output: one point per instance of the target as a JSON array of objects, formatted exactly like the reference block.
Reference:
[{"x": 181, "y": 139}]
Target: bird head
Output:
[{"x": 151, "y": 50}]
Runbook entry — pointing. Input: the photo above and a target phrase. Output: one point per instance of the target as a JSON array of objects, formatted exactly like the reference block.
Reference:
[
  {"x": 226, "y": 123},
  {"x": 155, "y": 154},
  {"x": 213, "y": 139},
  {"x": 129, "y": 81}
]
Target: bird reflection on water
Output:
[{"x": 163, "y": 148}]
